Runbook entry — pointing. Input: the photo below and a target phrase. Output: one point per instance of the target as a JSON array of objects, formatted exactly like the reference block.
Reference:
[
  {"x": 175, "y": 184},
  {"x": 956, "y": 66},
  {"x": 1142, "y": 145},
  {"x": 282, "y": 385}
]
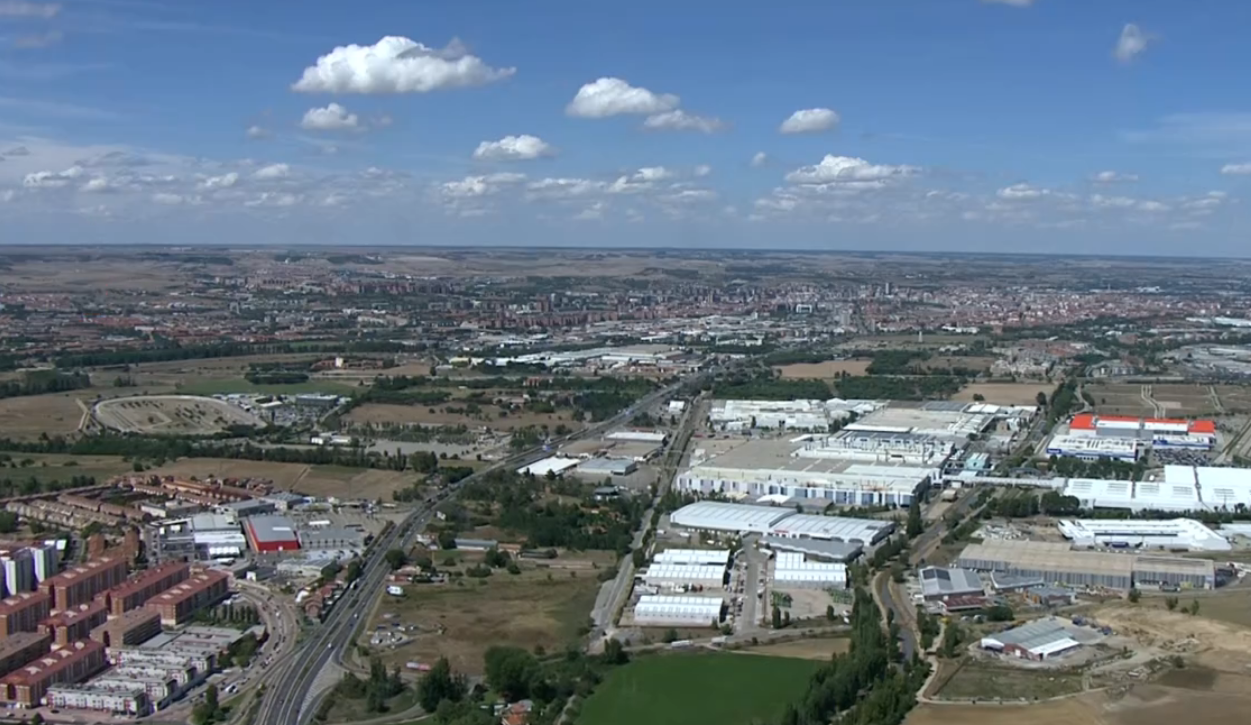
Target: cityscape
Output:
[{"x": 678, "y": 364}]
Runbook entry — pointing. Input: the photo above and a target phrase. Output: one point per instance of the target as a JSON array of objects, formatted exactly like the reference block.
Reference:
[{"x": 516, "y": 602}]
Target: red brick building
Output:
[
  {"x": 26, "y": 686},
  {"x": 144, "y": 585},
  {"x": 182, "y": 601},
  {"x": 71, "y": 625},
  {"x": 21, "y": 648},
  {"x": 134, "y": 627},
  {"x": 80, "y": 584},
  {"x": 23, "y": 612}
]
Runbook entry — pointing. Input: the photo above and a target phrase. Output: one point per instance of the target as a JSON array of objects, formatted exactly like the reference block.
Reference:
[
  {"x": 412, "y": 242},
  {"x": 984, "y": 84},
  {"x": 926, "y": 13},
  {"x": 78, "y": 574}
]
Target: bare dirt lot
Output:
[
  {"x": 1005, "y": 393},
  {"x": 29, "y": 415},
  {"x": 1140, "y": 705},
  {"x": 460, "y": 620},
  {"x": 312, "y": 480},
  {"x": 1234, "y": 398},
  {"x": 803, "y": 649},
  {"x": 172, "y": 415},
  {"x": 823, "y": 370},
  {"x": 420, "y": 414}
]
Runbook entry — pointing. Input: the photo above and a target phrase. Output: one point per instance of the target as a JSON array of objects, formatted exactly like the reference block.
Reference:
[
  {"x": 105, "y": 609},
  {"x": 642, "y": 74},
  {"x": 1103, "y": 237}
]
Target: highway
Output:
[{"x": 291, "y": 683}]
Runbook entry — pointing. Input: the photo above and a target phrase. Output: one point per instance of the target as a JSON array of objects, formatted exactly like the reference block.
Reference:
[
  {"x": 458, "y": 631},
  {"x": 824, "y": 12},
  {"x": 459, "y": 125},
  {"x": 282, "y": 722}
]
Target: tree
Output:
[
  {"x": 1194, "y": 607},
  {"x": 1041, "y": 399},
  {"x": 37, "y": 719},
  {"x": 1134, "y": 595},
  {"x": 440, "y": 684},
  {"x": 639, "y": 558},
  {"x": 615, "y": 653},
  {"x": 395, "y": 558},
  {"x": 829, "y": 612},
  {"x": 914, "y": 526},
  {"x": 951, "y": 640},
  {"x": 777, "y": 617},
  {"x": 8, "y": 524},
  {"x": 1171, "y": 603},
  {"x": 671, "y": 635},
  {"x": 510, "y": 671}
]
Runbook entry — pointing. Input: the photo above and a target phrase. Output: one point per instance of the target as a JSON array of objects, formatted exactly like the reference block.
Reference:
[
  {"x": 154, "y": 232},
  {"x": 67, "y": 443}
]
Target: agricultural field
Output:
[
  {"x": 1136, "y": 705},
  {"x": 311, "y": 480},
  {"x": 62, "y": 467},
  {"x": 827, "y": 370},
  {"x": 804, "y": 649},
  {"x": 1179, "y": 400},
  {"x": 1234, "y": 398},
  {"x": 171, "y": 415},
  {"x": 1005, "y": 393},
  {"x": 421, "y": 415},
  {"x": 986, "y": 681},
  {"x": 1119, "y": 399},
  {"x": 698, "y": 689},
  {"x": 540, "y": 607},
  {"x": 225, "y": 386},
  {"x": 28, "y": 416}
]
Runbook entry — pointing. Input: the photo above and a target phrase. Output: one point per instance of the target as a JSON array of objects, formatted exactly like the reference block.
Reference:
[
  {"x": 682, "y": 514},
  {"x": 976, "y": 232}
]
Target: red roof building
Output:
[
  {"x": 182, "y": 601},
  {"x": 26, "y": 686},
  {"x": 23, "y": 612},
  {"x": 144, "y": 585},
  {"x": 71, "y": 625},
  {"x": 80, "y": 584}
]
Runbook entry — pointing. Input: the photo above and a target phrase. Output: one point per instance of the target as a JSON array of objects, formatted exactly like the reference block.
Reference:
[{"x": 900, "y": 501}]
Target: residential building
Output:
[
  {"x": 26, "y": 686},
  {"x": 23, "y": 612},
  {"x": 180, "y": 603},
  {"x": 82, "y": 583},
  {"x": 134, "y": 627},
  {"x": 132, "y": 593}
]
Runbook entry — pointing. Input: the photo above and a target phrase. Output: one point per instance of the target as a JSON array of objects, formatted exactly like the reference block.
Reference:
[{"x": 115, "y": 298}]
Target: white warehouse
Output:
[
  {"x": 1171, "y": 534},
  {"x": 792, "y": 571},
  {"x": 720, "y": 557},
  {"x": 676, "y": 611},
  {"x": 684, "y": 575},
  {"x": 772, "y": 521}
]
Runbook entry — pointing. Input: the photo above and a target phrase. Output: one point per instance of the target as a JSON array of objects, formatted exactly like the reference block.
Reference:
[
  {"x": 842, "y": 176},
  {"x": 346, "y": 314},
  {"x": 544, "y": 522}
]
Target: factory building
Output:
[
  {"x": 76, "y": 623},
  {"x": 792, "y": 571},
  {"x": 182, "y": 601},
  {"x": 26, "y": 686},
  {"x": 145, "y": 585},
  {"x": 684, "y": 575},
  {"x": 601, "y": 467},
  {"x": 80, "y": 584},
  {"x": 1039, "y": 640},
  {"x": 23, "y": 613},
  {"x": 1092, "y": 448},
  {"x": 200, "y": 538},
  {"x": 199, "y": 661},
  {"x": 1055, "y": 563},
  {"x": 1159, "y": 432},
  {"x": 271, "y": 534},
  {"x": 1182, "y": 489},
  {"x": 677, "y": 611},
  {"x": 134, "y": 627},
  {"x": 555, "y": 465},
  {"x": 938, "y": 584},
  {"x": 869, "y": 445},
  {"x": 799, "y": 415},
  {"x": 1179, "y": 534},
  {"x": 840, "y": 551},
  {"x": 772, "y": 521},
  {"x": 719, "y": 557},
  {"x": 331, "y": 538}
]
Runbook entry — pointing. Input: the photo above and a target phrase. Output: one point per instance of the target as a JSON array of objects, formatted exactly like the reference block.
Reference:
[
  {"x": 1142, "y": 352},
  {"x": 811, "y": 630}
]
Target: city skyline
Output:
[{"x": 1011, "y": 126}]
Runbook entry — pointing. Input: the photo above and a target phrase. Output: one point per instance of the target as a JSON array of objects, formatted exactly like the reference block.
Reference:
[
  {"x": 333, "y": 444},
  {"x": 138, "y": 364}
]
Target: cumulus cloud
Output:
[
  {"x": 224, "y": 181},
  {"x": 274, "y": 199},
  {"x": 842, "y": 169},
  {"x": 1131, "y": 43},
  {"x": 759, "y": 159},
  {"x": 1236, "y": 169},
  {"x": 810, "y": 120},
  {"x": 653, "y": 173},
  {"x": 1113, "y": 177},
  {"x": 514, "y": 148},
  {"x": 1022, "y": 192},
  {"x": 1112, "y": 202},
  {"x": 331, "y": 118},
  {"x": 52, "y": 179},
  {"x": 273, "y": 171},
  {"x": 476, "y": 186},
  {"x": 679, "y": 120},
  {"x": 97, "y": 185},
  {"x": 608, "y": 97},
  {"x": 397, "y": 65},
  {"x": 256, "y": 133},
  {"x": 7, "y": 196},
  {"x": 25, "y": 9}
]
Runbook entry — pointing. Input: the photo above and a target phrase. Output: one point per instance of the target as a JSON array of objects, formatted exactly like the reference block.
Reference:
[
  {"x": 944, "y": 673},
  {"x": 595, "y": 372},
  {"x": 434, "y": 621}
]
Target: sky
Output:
[{"x": 1039, "y": 126}]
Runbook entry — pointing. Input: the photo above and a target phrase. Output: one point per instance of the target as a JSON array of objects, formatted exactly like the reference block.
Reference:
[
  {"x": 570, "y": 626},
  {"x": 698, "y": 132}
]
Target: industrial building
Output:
[
  {"x": 798, "y": 415},
  {"x": 637, "y": 436},
  {"x": 772, "y": 521},
  {"x": 26, "y": 686},
  {"x": 939, "y": 583},
  {"x": 706, "y": 576},
  {"x": 840, "y": 551},
  {"x": 1186, "y": 534},
  {"x": 1182, "y": 489},
  {"x": 1090, "y": 448},
  {"x": 555, "y": 465},
  {"x": 871, "y": 445},
  {"x": 321, "y": 536},
  {"x": 182, "y": 601},
  {"x": 706, "y": 557},
  {"x": 1160, "y": 432},
  {"x": 1038, "y": 640},
  {"x": 1056, "y": 563},
  {"x": 677, "y": 611},
  {"x": 80, "y": 584},
  {"x": 758, "y": 468},
  {"x": 601, "y": 467},
  {"x": 271, "y": 534},
  {"x": 202, "y": 537},
  {"x": 792, "y": 571},
  {"x": 132, "y": 593}
]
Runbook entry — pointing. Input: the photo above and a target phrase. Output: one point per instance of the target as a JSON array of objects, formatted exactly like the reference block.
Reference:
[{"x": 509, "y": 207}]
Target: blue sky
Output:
[{"x": 1115, "y": 126}]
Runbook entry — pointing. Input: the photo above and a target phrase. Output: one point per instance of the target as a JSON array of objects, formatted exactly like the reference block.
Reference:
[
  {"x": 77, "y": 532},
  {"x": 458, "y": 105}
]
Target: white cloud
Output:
[
  {"x": 7, "y": 196},
  {"x": 1112, "y": 202},
  {"x": 702, "y": 170},
  {"x": 224, "y": 181},
  {"x": 52, "y": 179},
  {"x": 653, "y": 173},
  {"x": 475, "y": 186},
  {"x": 690, "y": 196},
  {"x": 331, "y": 118},
  {"x": 167, "y": 198},
  {"x": 593, "y": 212},
  {"x": 759, "y": 159},
  {"x": 843, "y": 169},
  {"x": 1152, "y": 206},
  {"x": 24, "y": 9},
  {"x": 514, "y": 148},
  {"x": 810, "y": 120},
  {"x": 397, "y": 65},
  {"x": 273, "y": 171},
  {"x": 96, "y": 185},
  {"x": 275, "y": 199},
  {"x": 679, "y": 120},
  {"x": 608, "y": 97},
  {"x": 1236, "y": 169},
  {"x": 256, "y": 132},
  {"x": 1011, "y": 3},
  {"x": 1113, "y": 177},
  {"x": 1022, "y": 192},
  {"x": 1131, "y": 43}
]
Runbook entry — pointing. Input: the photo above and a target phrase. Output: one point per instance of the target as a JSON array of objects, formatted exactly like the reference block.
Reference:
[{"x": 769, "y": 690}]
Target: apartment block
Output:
[
  {"x": 134, "y": 627},
  {"x": 26, "y": 686},
  {"x": 71, "y": 625},
  {"x": 21, "y": 648},
  {"x": 180, "y": 603},
  {"x": 144, "y": 585},
  {"x": 23, "y": 613},
  {"x": 80, "y": 584}
]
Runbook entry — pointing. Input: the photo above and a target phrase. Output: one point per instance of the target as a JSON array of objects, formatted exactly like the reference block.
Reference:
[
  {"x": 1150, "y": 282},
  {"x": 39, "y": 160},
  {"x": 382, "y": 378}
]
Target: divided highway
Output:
[{"x": 289, "y": 687}]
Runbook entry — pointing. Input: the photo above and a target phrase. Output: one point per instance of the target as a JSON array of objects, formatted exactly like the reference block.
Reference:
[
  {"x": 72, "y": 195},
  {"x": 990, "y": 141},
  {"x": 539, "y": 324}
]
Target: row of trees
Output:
[{"x": 44, "y": 381}]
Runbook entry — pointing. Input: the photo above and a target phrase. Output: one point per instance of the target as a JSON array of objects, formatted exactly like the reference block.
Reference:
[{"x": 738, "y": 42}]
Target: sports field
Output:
[{"x": 698, "y": 689}]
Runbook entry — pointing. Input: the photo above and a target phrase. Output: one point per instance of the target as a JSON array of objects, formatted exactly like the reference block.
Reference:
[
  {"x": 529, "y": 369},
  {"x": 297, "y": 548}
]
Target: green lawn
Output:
[
  {"x": 698, "y": 689},
  {"x": 221, "y": 386}
]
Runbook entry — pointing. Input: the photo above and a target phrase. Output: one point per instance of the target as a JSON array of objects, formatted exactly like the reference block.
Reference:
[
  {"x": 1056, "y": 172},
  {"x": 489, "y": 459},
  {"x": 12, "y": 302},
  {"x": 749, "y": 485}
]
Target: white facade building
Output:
[
  {"x": 1172, "y": 534},
  {"x": 555, "y": 464},
  {"x": 660, "y": 611},
  {"x": 791, "y": 570},
  {"x": 684, "y": 575},
  {"x": 720, "y": 557},
  {"x": 772, "y": 521},
  {"x": 1092, "y": 448}
]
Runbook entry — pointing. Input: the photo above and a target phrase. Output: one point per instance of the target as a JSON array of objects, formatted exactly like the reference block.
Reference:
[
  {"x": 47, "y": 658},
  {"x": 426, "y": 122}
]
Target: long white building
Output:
[
  {"x": 719, "y": 557},
  {"x": 792, "y": 570},
  {"x": 809, "y": 415},
  {"x": 1146, "y": 534},
  {"x": 684, "y": 575},
  {"x": 657, "y": 610},
  {"x": 1092, "y": 448},
  {"x": 772, "y": 521},
  {"x": 1183, "y": 488}
]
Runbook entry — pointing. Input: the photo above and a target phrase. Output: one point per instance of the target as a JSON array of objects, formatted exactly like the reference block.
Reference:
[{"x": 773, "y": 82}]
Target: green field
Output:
[
  {"x": 222, "y": 386},
  {"x": 698, "y": 689}
]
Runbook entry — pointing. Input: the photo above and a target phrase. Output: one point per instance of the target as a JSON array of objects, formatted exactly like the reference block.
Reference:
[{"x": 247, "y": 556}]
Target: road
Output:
[
  {"x": 905, "y": 615},
  {"x": 291, "y": 686}
]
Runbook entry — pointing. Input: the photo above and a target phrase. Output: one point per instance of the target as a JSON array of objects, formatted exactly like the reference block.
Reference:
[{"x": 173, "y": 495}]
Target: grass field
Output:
[
  {"x": 312, "y": 480},
  {"x": 27, "y": 416},
  {"x": 525, "y": 610},
  {"x": 805, "y": 649},
  {"x": 990, "y": 682},
  {"x": 1005, "y": 393},
  {"x": 222, "y": 386},
  {"x": 59, "y": 467},
  {"x": 823, "y": 370},
  {"x": 420, "y": 414},
  {"x": 698, "y": 689}
]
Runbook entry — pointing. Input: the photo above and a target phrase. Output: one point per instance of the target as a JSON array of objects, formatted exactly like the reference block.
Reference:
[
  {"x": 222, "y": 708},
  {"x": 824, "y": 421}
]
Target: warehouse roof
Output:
[
  {"x": 1041, "y": 556},
  {"x": 693, "y": 556},
  {"x": 554, "y": 464},
  {"x": 659, "y": 605},
  {"x": 838, "y": 528},
  {"x": 728, "y": 516},
  {"x": 936, "y": 581},
  {"x": 685, "y": 572},
  {"x": 271, "y": 528},
  {"x": 1040, "y": 637},
  {"x": 836, "y": 550},
  {"x": 1176, "y": 532}
]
